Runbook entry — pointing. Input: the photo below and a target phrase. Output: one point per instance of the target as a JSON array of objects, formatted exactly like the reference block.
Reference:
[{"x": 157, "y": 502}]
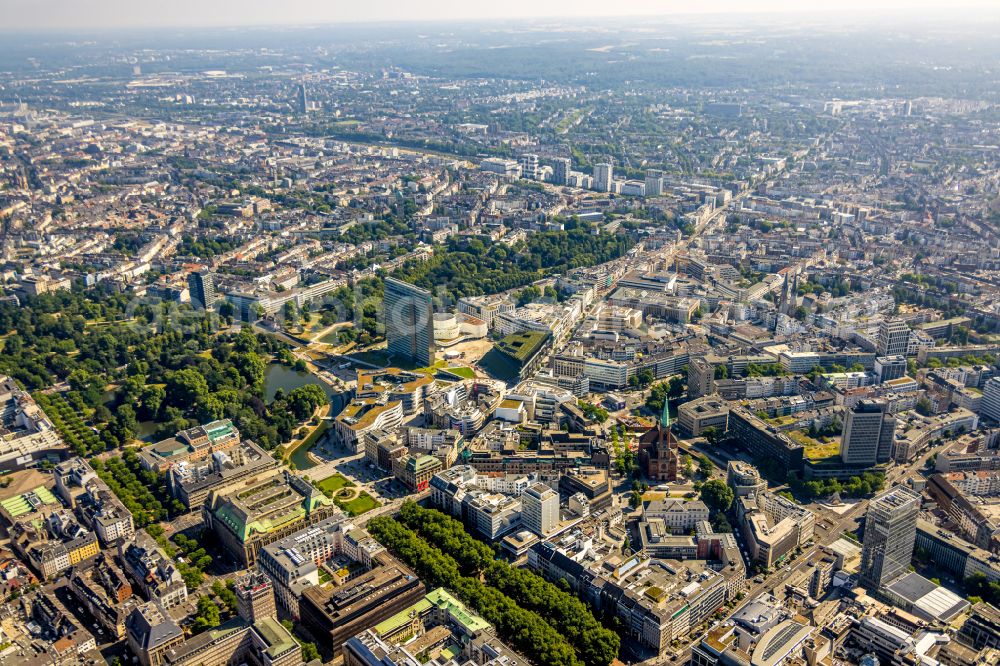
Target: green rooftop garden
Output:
[
  {"x": 816, "y": 449},
  {"x": 522, "y": 346}
]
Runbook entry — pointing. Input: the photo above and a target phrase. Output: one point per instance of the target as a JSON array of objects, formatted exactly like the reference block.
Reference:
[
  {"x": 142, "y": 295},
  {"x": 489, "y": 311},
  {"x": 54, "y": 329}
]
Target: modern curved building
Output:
[
  {"x": 365, "y": 415},
  {"x": 744, "y": 479},
  {"x": 393, "y": 384},
  {"x": 452, "y": 328},
  {"x": 780, "y": 642}
]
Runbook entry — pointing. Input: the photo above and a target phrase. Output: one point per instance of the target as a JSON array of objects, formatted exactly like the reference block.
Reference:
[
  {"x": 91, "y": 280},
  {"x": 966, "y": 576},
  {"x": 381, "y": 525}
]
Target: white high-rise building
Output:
[
  {"x": 991, "y": 399},
  {"x": 540, "y": 509},
  {"x": 893, "y": 337},
  {"x": 604, "y": 175},
  {"x": 529, "y": 166}
]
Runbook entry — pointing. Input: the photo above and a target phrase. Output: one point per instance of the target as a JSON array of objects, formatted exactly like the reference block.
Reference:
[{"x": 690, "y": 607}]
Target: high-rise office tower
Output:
[
  {"x": 783, "y": 298},
  {"x": 529, "y": 166},
  {"x": 890, "y": 367},
  {"x": 561, "y": 167},
  {"x": 301, "y": 99},
  {"x": 654, "y": 183},
  {"x": 701, "y": 374},
  {"x": 540, "y": 509},
  {"x": 255, "y": 597},
  {"x": 990, "y": 406},
  {"x": 201, "y": 286},
  {"x": 893, "y": 337},
  {"x": 890, "y": 532},
  {"x": 869, "y": 430},
  {"x": 604, "y": 175},
  {"x": 409, "y": 322}
]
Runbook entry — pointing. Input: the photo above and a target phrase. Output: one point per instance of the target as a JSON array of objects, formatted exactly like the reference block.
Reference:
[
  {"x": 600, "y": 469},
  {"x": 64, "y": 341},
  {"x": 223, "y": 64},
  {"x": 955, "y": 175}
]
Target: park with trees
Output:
[
  {"x": 473, "y": 266},
  {"x": 123, "y": 364}
]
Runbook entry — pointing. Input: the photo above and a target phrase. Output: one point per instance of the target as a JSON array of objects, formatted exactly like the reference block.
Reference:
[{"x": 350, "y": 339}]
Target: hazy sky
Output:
[{"x": 89, "y": 14}]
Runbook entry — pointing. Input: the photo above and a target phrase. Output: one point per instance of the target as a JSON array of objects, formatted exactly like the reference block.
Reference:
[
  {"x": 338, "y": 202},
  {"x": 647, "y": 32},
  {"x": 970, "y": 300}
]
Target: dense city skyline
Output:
[{"x": 451, "y": 340}]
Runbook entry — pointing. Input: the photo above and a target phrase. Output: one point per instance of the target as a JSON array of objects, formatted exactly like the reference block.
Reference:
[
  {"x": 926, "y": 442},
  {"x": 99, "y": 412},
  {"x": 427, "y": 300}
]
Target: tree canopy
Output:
[
  {"x": 717, "y": 495},
  {"x": 538, "y": 617},
  {"x": 476, "y": 266}
]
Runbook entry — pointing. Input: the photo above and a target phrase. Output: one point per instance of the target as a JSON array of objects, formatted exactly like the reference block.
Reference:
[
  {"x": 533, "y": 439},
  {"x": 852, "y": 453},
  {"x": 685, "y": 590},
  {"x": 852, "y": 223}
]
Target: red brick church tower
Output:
[{"x": 658, "y": 450}]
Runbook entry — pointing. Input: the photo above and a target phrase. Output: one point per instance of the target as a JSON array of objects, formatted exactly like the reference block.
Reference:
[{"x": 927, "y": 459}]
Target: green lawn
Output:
[
  {"x": 331, "y": 338},
  {"x": 375, "y": 357},
  {"x": 431, "y": 368},
  {"x": 462, "y": 371},
  {"x": 360, "y": 504},
  {"x": 334, "y": 483}
]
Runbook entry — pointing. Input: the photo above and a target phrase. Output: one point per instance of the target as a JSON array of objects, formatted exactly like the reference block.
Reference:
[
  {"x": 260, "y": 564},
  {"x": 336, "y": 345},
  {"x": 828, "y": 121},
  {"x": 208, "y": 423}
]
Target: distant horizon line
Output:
[{"x": 912, "y": 14}]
